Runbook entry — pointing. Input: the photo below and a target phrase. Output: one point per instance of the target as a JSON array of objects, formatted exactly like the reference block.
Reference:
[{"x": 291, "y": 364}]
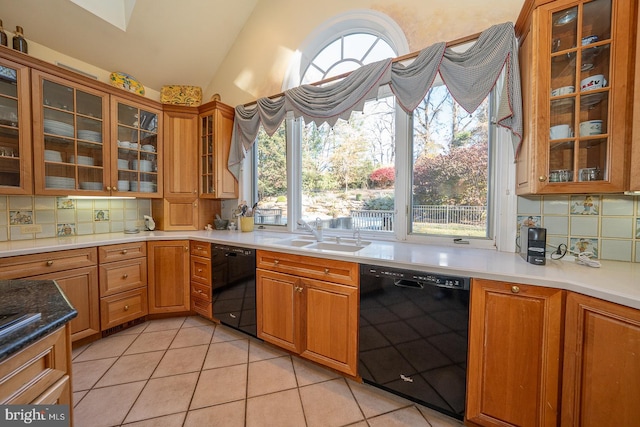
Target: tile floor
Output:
[{"x": 190, "y": 372}]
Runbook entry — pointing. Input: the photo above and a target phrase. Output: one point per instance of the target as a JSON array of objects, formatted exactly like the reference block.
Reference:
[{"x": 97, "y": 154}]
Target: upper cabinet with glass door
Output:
[
  {"x": 137, "y": 160},
  {"x": 71, "y": 155},
  {"x": 576, "y": 67},
  {"x": 15, "y": 129}
]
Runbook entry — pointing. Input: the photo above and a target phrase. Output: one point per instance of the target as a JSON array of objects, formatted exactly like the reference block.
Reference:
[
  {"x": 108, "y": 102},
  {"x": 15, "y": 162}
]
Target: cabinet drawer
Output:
[
  {"x": 202, "y": 307},
  {"x": 29, "y": 373},
  {"x": 122, "y": 251},
  {"x": 123, "y": 307},
  {"x": 200, "y": 249},
  {"x": 33, "y": 265},
  {"x": 57, "y": 394},
  {"x": 201, "y": 291},
  {"x": 123, "y": 275},
  {"x": 342, "y": 272},
  {"x": 201, "y": 270}
]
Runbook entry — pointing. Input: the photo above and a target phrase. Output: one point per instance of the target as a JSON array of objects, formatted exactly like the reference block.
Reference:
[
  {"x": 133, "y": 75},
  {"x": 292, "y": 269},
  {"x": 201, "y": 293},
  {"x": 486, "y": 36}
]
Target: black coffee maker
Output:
[{"x": 533, "y": 244}]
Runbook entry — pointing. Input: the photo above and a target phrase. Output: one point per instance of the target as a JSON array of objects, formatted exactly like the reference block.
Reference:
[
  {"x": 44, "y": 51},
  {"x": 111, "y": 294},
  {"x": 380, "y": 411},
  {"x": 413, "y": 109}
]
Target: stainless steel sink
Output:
[
  {"x": 341, "y": 247},
  {"x": 328, "y": 244}
]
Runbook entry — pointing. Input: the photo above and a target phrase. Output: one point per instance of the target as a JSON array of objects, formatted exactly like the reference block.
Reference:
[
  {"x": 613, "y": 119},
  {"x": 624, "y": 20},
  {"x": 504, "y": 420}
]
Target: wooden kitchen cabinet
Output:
[
  {"x": 563, "y": 44},
  {"x": 216, "y": 126},
  {"x": 309, "y": 306},
  {"x": 201, "y": 279},
  {"x": 180, "y": 208},
  {"x": 515, "y": 343},
  {"x": 634, "y": 184},
  {"x": 601, "y": 371},
  {"x": 76, "y": 273},
  {"x": 123, "y": 283},
  {"x": 168, "y": 275},
  {"x": 16, "y": 173}
]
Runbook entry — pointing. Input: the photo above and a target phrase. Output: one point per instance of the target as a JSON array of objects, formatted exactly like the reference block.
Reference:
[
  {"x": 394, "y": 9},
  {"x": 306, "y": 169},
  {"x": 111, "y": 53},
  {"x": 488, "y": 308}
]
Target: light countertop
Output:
[{"x": 615, "y": 281}]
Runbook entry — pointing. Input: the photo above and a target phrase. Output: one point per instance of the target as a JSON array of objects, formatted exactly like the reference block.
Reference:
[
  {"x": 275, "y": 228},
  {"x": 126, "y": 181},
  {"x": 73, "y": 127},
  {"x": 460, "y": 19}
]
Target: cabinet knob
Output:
[
  {"x": 49, "y": 263},
  {"x": 125, "y": 275},
  {"x": 199, "y": 270},
  {"x": 299, "y": 289},
  {"x": 114, "y": 189},
  {"x": 124, "y": 252},
  {"x": 126, "y": 308},
  {"x": 108, "y": 188},
  {"x": 515, "y": 289},
  {"x": 186, "y": 248},
  {"x": 326, "y": 271},
  {"x": 199, "y": 291},
  {"x": 542, "y": 178},
  {"x": 195, "y": 191},
  {"x": 276, "y": 262},
  {"x": 195, "y": 204}
]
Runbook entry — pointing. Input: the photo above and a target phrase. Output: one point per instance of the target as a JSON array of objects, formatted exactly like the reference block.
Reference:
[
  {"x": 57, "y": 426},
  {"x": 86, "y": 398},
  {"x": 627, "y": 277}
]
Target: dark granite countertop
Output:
[{"x": 32, "y": 296}]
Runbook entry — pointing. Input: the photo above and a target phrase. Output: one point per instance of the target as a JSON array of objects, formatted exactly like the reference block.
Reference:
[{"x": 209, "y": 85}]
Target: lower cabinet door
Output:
[
  {"x": 278, "y": 309},
  {"x": 80, "y": 286},
  {"x": 514, "y": 354},
  {"x": 601, "y": 371},
  {"x": 168, "y": 276},
  {"x": 331, "y": 325}
]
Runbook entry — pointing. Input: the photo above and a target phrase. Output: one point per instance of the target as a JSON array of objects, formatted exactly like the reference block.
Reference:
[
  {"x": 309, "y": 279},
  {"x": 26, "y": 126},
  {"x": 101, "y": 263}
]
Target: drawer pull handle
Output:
[
  {"x": 126, "y": 308},
  {"x": 199, "y": 248},
  {"x": 49, "y": 263},
  {"x": 124, "y": 252},
  {"x": 186, "y": 248},
  {"x": 276, "y": 262},
  {"x": 326, "y": 271},
  {"x": 515, "y": 289},
  {"x": 125, "y": 275},
  {"x": 199, "y": 270},
  {"x": 199, "y": 291}
]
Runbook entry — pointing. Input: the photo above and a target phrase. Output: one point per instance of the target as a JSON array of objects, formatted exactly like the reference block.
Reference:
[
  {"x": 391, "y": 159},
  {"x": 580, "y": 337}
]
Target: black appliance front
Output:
[
  {"x": 234, "y": 287},
  {"x": 413, "y": 335}
]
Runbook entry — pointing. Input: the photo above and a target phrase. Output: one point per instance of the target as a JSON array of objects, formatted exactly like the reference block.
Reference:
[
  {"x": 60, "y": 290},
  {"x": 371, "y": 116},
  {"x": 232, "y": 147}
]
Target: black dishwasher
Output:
[
  {"x": 233, "y": 290},
  {"x": 413, "y": 335}
]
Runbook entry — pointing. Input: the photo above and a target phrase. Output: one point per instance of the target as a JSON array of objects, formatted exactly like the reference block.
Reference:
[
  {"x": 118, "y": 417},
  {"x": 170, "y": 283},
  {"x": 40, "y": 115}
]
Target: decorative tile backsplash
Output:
[
  {"x": 606, "y": 225},
  {"x": 37, "y": 217}
]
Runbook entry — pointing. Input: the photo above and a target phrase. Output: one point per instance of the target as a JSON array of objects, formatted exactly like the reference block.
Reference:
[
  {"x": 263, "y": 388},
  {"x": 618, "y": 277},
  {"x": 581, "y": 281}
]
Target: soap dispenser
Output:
[{"x": 149, "y": 223}]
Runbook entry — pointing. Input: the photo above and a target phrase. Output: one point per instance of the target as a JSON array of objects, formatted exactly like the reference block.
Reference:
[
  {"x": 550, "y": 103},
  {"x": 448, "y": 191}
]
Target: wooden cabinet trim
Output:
[{"x": 342, "y": 272}]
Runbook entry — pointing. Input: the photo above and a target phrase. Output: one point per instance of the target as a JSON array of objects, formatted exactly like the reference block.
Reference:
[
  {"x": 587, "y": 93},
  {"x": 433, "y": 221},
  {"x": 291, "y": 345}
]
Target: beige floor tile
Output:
[
  {"x": 222, "y": 385},
  {"x": 174, "y": 420},
  {"x": 225, "y": 415},
  {"x": 374, "y": 401},
  {"x": 407, "y": 417},
  {"x": 224, "y": 333},
  {"x": 164, "y": 396},
  {"x": 227, "y": 354},
  {"x": 165, "y": 324},
  {"x": 269, "y": 376},
  {"x": 106, "y": 406},
  {"x": 86, "y": 374},
  {"x": 438, "y": 419},
  {"x": 192, "y": 336},
  {"x": 78, "y": 395},
  {"x": 137, "y": 329},
  {"x": 77, "y": 351},
  {"x": 259, "y": 350},
  {"x": 330, "y": 403},
  {"x": 282, "y": 409},
  {"x": 310, "y": 373},
  {"x": 192, "y": 321},
  {"x": 181, "y": 361},
  {"x": 151, "y": 341},
  {"x": 129, "y": 368},
  {"x": 112, "y": 346}
]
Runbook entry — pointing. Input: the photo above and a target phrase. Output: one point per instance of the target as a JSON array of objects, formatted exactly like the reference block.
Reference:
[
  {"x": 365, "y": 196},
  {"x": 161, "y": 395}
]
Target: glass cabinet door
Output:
[
  {"x": 15, "y": 125},
  {"x": 138, "y": 150},
  {"x": 70, "y": 142},
  {"x": 579, "y": 139},
  {"x": 207, "y": 155}
]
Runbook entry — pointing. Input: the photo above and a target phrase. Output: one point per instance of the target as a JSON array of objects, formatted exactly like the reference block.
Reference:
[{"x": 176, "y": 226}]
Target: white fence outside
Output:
[{"x": 383, "y": 220}]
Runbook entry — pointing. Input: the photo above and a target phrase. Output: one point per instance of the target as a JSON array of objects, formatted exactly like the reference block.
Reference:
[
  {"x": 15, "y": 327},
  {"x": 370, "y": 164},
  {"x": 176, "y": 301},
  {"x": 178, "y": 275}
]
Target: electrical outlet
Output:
[{"x": 34, "y": 228}]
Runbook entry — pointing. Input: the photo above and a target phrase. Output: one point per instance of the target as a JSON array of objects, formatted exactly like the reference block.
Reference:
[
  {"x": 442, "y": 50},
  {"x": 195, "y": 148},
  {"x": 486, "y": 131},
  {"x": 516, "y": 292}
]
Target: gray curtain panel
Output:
[{"x": 469, "y": 76}]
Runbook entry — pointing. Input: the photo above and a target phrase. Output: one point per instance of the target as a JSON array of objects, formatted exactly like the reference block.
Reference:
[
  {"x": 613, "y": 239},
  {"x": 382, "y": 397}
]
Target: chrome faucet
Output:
[
  {"x": 357, "y": 236},
  {"x": 317, "y": 232}
]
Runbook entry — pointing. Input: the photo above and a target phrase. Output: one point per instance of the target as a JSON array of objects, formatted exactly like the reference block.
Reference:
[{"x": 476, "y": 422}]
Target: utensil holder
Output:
[{"x": 246, "y": 223}]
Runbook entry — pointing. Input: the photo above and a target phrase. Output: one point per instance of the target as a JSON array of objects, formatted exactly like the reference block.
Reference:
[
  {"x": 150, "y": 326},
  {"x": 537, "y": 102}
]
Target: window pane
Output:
[
  {"x": 347, "y": 171},
  {"x": 356, "y": 45},
  {"x": 271, "y": 171},
  {"x": 380, "y": 51},
  {"x": 329, "y": 55},
  {"x": 450, "y": 168}
]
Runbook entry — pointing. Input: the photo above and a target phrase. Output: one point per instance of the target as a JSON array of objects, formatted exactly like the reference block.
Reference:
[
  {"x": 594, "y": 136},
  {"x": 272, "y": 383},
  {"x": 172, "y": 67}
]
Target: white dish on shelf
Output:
[
  {"x": 58, "y": 128},
  {"x": 52, "y": 156},
  {"x": 82, "y": 160},
  {"x": 123, "y": 164},
  {"x": 89, "y": 185},
  {"x": 59, "y": 182},
  {"x": 124, "y": 144},
  {"x": 134, "y": 145},
  {"x": 90, "y": 135},
  {"x": 123, "y": 185},
  {"x": 149, "y": 148},
  {"x": 142, "y": 165}
]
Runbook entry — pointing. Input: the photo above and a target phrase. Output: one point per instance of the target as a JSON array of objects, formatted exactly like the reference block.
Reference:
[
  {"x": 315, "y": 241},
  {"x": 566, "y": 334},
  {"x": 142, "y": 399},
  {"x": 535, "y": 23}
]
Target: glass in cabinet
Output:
[
  {"x": 15, "y": 129},
  {"x": 138, "y": 146},
  {"x": 71, "y": 156}
]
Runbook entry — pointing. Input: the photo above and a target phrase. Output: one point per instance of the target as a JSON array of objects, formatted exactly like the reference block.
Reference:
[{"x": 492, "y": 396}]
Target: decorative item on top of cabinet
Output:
[
  {"x": 601, "y": 371},
  {"x": 514, "y": 354},
  {"x": 138, "y": 148},
  {"x": 216, "y": 125},
  {"x": 309, "y": 306},
  {"x": 123, "y": 284},
  {"x": 201, "y": 279},
  {"x": 168, "y": 275},
  {"x": 576, "y": 65},
  {"x": 15, "y": 129},
  {"x": 76, "y": 273}
]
